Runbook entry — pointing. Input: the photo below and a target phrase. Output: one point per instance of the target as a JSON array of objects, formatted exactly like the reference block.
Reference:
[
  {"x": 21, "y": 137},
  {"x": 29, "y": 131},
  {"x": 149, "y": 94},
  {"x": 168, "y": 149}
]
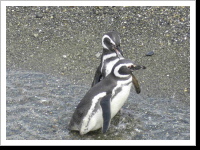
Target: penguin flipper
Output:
[
  {"x": 105, "y": 105},
  {"x": 136, "y": 84},
  {"x": 97, "y": 77}
]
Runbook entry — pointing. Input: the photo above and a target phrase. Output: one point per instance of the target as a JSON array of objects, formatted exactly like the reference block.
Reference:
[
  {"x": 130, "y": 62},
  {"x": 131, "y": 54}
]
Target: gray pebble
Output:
[{"x": 150, "y": 53}]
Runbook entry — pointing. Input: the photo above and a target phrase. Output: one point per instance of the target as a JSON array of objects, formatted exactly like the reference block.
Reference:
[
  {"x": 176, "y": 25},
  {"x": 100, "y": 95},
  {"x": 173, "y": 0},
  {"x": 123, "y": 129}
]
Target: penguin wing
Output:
[
  {"x": 97, "y": 77},
  {"x": 105, "y": 105},
  {"x": 136, "y": 84}
]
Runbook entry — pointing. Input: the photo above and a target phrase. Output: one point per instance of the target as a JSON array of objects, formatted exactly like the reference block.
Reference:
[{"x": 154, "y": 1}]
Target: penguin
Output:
[
  {"x": 111, "y": 54},
  {"x": 102, "y": 102}
]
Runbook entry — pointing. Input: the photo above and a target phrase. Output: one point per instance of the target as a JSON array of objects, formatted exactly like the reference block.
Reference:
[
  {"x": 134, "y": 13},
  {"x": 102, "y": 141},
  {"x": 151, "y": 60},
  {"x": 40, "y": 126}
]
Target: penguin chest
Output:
[{"x": 120, "y": 96}]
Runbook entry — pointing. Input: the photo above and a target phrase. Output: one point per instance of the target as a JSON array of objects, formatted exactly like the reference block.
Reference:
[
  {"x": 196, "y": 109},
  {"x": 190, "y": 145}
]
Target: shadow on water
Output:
[{"x": 39, "y": 106}]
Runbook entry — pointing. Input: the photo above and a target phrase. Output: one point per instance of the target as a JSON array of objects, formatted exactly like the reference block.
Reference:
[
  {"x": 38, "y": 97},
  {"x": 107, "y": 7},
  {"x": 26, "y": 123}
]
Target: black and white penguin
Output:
[
  {"x": 102, "y": 102},
  {"x": 111, "y": 54}
]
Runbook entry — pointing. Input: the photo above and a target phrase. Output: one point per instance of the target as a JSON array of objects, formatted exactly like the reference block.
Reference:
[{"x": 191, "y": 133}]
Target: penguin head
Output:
[
  {"x": 111, "y": 42},
  {"x": 124, "y": 68}
]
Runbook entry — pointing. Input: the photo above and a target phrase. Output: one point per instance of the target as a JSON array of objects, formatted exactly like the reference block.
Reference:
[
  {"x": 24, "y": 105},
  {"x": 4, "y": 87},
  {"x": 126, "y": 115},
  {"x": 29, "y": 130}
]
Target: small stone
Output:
[
  {"x": 64, "y": 56},
  {"x": 150, "y": 53},
  {"x": 98, "y": 54},
  {"x": 38, "y": 16},
  {"x": 35, "y": 35},
  {"x": 43, "y": 101},
  {"x": 100, "y": 7},
  {"x": 182, "y": 19},
  {"x": 186, "y": 90}
]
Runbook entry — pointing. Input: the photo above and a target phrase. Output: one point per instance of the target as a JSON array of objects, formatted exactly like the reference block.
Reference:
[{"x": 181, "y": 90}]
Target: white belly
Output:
[
  {"x": 95, "y": 123},
  {"x": 119, "y": 100}
]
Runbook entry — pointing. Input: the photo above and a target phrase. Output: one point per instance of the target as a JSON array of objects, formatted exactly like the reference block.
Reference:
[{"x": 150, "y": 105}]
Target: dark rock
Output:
[
  {"x": 38, "y": 16},
  {"x": 150, "y": 53}
]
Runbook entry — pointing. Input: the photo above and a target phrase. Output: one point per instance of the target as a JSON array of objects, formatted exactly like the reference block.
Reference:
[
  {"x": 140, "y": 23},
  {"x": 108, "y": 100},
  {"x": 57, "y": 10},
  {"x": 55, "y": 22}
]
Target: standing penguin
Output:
[
  {"x": 102, "y": 102},
  {"x": 111, "y": 54}
]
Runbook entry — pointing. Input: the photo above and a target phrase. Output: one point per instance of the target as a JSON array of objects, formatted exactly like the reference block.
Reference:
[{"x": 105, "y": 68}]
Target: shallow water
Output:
[{"x": 39, "y": 107}]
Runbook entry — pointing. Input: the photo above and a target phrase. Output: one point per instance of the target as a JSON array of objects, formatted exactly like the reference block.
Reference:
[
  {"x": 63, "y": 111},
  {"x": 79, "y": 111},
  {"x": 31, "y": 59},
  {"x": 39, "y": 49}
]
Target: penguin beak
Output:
[
  {"x": 118, "y": 51},
  {"x": 136, "y": 67}
]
